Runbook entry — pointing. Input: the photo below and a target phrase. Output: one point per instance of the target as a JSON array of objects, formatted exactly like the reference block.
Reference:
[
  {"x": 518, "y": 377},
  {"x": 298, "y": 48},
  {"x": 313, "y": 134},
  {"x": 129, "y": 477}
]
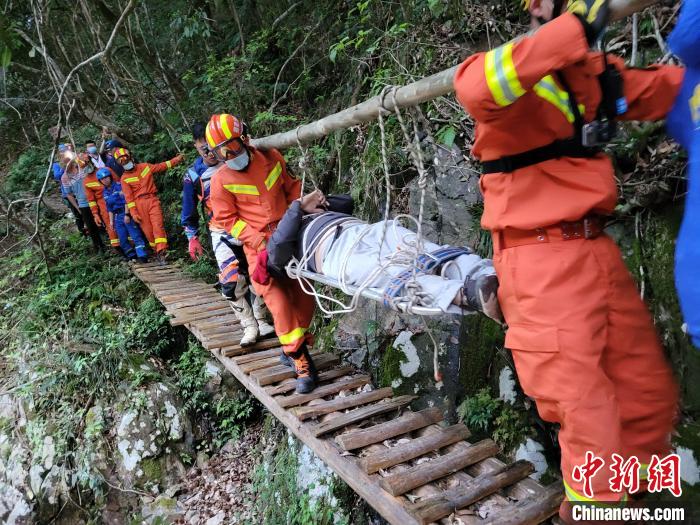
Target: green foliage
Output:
[
  {"x": 232, "y": 414},
  {"x": 28, "y": 172},
  {"x": 488, "y": 416},
  {"x": 279, "y": 499},
  {"x": 191, "y": 376}
]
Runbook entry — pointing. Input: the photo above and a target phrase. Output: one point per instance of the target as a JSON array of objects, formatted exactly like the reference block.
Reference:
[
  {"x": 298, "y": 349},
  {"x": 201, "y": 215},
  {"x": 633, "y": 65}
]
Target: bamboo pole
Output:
[{"x": 425, "y": 89}]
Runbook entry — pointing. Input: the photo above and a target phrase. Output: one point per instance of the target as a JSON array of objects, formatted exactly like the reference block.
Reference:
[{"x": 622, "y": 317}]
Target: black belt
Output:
[{"x": 559, "y": 148}]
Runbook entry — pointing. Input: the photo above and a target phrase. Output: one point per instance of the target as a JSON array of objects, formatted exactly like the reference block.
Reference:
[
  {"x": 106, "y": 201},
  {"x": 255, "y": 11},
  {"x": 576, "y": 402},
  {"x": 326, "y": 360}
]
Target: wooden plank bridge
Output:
[{"x": 411, "y": 467}]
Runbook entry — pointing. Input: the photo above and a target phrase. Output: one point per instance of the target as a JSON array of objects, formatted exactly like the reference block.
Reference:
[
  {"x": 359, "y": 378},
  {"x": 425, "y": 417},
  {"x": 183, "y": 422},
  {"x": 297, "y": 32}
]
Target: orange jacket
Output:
[
  {"x": 249, "y": 204},
  {"x": 93, "y": 193},
  {"x": 519, "y": 105},
  {"x": 139, "y": 182}
]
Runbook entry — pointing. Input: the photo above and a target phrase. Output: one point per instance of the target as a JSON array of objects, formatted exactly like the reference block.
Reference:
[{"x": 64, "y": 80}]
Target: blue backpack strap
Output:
[{"x": 425, "y": 263}]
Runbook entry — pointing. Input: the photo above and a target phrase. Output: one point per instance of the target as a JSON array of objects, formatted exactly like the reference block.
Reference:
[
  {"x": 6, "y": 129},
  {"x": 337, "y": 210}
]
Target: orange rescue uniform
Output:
[
  {"x": 583, "y": 342},
  {"x": 98, "y": 207},
  {"x": 141, "y": 195},
  {"x": 249, "y": 204}
]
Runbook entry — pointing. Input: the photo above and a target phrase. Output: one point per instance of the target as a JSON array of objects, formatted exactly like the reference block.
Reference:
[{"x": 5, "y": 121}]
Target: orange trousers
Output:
[
  {"x": 585, "y": 349},
  {"x": 111, "y": 232},
  {"x": 292, "y": 310},
  {"x": 151, "y": 214}
]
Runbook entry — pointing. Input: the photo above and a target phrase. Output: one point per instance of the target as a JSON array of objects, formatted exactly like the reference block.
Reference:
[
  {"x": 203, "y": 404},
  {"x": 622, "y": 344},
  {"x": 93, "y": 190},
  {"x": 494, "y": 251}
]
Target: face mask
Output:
[
  {"x": 129, "y": 166},
  {"x": 92, "y": 150},
  {"x": 239, "y": 163}
]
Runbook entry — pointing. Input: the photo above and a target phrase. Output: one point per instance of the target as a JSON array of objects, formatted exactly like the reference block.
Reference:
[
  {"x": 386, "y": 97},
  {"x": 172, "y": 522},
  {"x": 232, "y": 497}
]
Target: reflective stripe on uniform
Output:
[
  {"x": 273, "y": 176},
  {"x": 151, "y": 244},
  {"x": 93, "y": 184},
  {"x": 130, "y": 204},
  {"x": 224, "y": 126},
  {"x": 242, "y": 189},
  {"x": 161, "y": 240},
  {"x": 92, "y": 204},
  {"x": 145, "y": 171},
  {"x": 168, "y": 164},
  {"x": 129, "y": 180},
  {"x": 293, "y": 336},
  {"x": 572, "y": 495},
  {"x": 114, "y": 242},
  {"x": 501, "y": 76},
  {"x": 238, "y": 228},
  {"x": 552, "y": 93}
]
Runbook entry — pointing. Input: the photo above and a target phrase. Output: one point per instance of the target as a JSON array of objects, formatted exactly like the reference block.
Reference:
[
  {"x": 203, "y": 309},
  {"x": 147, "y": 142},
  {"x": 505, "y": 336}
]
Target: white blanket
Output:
[{"x": 364, "y": 257}]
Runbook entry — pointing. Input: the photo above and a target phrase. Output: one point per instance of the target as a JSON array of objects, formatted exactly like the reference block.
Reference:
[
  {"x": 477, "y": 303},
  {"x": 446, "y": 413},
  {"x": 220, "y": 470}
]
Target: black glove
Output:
[{"x": 594, "y": 15}]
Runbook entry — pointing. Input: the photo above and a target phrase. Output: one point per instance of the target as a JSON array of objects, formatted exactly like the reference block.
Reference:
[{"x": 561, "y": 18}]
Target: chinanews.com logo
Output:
[{"x": 627, "y": 477}]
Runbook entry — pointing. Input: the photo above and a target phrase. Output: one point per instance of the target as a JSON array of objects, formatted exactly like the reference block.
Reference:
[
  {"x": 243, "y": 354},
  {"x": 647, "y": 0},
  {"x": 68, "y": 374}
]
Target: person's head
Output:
[
  {"x": 112, "y": 144},
  {"x": 84, "y": 162},
  {"x": 124, "y": 158},
  {"x": 542, "y": 11},
  {"x": 200, "y": 144},
  {"x": 227, "y": 137},
  {"x": 91, "y": 147},
  {"x": 66, "y": 156},
  {"x": 104, "y": 175}
]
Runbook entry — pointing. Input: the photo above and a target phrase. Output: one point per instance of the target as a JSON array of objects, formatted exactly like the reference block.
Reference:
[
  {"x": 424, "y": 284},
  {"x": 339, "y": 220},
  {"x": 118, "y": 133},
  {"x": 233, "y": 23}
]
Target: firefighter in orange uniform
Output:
[
  {"x": 249, "y": 195},
  {"x": 583, "y": 342},
  {"x": 98, "y": 207},
  {"x": 141, "y": 197}
]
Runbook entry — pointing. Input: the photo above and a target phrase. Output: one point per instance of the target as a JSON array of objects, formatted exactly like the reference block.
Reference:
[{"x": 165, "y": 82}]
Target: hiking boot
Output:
[
  {"x": 306, "y": 371},
  {"x": 244, "y": 313},
  {"x": 260, "y": 313},
  {"x": 481, "y": 294},
  {"x": 142, "y": 259},
  {"x": 161, "y": 258},
  {"x": 286, "y": 360}
]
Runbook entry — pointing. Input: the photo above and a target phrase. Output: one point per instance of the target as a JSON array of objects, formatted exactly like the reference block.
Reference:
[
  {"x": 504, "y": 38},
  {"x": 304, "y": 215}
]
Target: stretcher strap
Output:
[{"x": 424, "y": 263}]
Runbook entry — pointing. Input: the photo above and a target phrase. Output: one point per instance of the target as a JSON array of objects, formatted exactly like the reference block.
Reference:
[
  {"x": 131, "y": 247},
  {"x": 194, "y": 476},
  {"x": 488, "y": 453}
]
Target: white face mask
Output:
[
  {"x": 239, "y": 163},
  {"x": 129, "y": 166}
]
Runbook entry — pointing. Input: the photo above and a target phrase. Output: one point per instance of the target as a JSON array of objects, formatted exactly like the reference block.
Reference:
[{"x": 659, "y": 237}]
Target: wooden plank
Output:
[
  {"x": 278, "y": 373},
  {"x": 386, "y": 505},
  {"x": 241, "y": 359},
  {"x": 342, "y": 403},
  {"x": 217, "y": 331},
  {"x": 194, "y": 301},
  {"x": 264, "y": 344},
  {"x": 530, "y": 511},
  {"x": 418, "y": 475},
  {"x": 179, "y": 321},
  {"x": 159, "y": 289},
  {"x": 181, "y": 296},
  {"x": 408, "y": 422},
  {"x": 344, "y": 383},
  {"x": 437, "y": 507},
  {"x": 415, "y": 448},
  {"x": 361, "y": 414},
  {"x": 203, "y": 308},
  {"x": 214, "y": 322},
  {"x": 328, "y": 375}
]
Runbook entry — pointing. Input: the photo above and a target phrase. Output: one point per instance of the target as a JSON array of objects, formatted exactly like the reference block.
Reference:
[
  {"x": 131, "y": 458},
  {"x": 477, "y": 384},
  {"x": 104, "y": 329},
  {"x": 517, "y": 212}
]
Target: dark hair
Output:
[
  {"x": 90, "y": 142},
  {"x": 198, "y": 131}
]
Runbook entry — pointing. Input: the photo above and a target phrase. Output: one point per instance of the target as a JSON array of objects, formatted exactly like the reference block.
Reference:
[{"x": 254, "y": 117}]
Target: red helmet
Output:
[
  {"x": 121, "y": 153},
  {"x": 224, "y": 128}
]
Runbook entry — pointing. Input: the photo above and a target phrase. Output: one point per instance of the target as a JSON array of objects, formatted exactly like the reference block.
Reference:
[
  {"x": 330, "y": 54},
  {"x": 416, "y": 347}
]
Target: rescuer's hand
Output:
[
  {"x": 195, "y": 248},
  {"x": 314, "y": 202},
  {"x": 594, "y": 15},
  {"x": 135, "y": 216},
  {"x": 98, "y": 221}
]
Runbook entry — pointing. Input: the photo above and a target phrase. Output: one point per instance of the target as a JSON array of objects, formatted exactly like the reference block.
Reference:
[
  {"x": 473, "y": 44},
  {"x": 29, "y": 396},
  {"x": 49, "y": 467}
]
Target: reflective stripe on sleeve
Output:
[
  {"x": 130, "y": 204},
  {"x": 501, "y": 76},
  {"x": 145, "y": 171},
  {"x": 238, "y": 228},
  {"x": 273, "y": 176},
  {"x": 114, "y": 242},
  {"x": 129, "y": 180},
  {"x": 93, "y": 184},
  {"x": 168, "y": 164},
  {"x": 160, "y": 240},
  {"x": 92, "y": 204}
]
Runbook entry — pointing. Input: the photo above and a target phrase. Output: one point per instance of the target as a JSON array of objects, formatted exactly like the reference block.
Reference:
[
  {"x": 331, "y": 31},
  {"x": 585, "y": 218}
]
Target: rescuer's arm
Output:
[
  {"x": 225, "y": 211},
  {"x": 164, "y": 166},
  {"x": 488, "y": 82},
  {"x": 130, "y": 207},
  {"x": 92, "y": 202},
  {"x": 292, "y": 186},
  {"x": 650, "y": 92}
]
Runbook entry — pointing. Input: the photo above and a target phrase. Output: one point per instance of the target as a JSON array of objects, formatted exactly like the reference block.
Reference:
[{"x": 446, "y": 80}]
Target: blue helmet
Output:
[
  {"x": 62, "y": 148},
  {"x": 103, "y": 173},
  {"x": 113, "y": 143}
]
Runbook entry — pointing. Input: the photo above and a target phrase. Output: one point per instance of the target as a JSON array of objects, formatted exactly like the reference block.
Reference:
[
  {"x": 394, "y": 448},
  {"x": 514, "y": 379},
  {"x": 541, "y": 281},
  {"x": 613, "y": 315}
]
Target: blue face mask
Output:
[
  {"x": 92, "y": 150},
  {"x": 129, "y": 166},
  {"x": 239, "y": 163}
]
